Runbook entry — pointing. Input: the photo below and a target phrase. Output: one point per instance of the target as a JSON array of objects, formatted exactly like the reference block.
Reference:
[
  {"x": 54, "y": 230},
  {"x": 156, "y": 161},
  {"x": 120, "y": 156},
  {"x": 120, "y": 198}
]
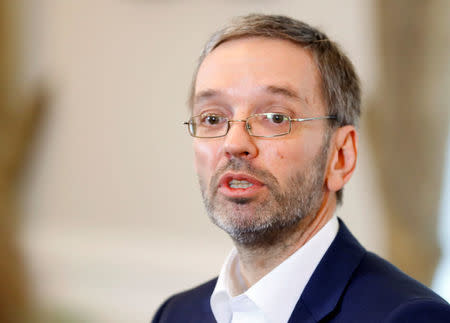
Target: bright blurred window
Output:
[{"x": 441, "y": 283}]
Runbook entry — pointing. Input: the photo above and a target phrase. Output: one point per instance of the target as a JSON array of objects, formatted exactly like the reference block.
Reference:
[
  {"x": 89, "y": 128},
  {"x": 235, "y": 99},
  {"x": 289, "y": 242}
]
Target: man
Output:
[{"x": 275, "y": 104}]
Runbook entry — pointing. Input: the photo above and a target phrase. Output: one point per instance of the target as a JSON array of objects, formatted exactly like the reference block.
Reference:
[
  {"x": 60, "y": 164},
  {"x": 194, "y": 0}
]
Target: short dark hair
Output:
[{"x": 340, "y": 85}]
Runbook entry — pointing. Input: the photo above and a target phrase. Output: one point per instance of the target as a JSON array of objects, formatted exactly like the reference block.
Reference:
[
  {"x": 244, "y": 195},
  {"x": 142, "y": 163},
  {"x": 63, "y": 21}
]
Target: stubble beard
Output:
[{"x": 255, "y": 223}]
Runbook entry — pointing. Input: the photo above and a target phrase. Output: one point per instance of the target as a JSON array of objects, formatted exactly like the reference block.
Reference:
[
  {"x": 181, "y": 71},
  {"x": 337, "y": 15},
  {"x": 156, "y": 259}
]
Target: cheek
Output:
[
  {"x": 287, "y": 153},
  {"x": 285, "y": 160},
  {"x": 281, "y": 159},
  {"x": 205, "y": 155}
]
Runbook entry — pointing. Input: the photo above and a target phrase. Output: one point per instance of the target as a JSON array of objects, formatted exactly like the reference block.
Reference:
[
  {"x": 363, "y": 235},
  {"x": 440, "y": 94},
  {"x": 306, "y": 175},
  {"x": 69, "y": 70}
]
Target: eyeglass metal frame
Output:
[{"x": 248, "y": 128}]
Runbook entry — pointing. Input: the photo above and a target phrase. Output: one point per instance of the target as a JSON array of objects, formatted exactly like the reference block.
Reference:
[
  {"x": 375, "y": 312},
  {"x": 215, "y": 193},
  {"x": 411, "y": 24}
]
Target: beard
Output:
[{"x": 261, "y": 222}]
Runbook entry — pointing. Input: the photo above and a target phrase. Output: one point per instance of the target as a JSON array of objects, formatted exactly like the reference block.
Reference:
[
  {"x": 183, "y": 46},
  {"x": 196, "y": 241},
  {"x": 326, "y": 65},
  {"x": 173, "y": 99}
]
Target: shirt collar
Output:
[
  {"x": 220, "y": 297},
  {"x": 276, "y": 293}
]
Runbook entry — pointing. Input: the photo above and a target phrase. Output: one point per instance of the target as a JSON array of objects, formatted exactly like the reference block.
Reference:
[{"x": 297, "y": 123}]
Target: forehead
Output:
[{"x": 246, "y": 69}]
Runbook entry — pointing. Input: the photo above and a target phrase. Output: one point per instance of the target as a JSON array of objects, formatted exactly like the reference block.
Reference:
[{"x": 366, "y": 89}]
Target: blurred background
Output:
[{"x": 101, "y": 217}]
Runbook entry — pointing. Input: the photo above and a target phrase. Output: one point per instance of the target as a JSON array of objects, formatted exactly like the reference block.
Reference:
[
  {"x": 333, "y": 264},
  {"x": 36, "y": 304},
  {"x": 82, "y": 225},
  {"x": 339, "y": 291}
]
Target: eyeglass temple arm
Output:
[{"x": 314, "y": 118}]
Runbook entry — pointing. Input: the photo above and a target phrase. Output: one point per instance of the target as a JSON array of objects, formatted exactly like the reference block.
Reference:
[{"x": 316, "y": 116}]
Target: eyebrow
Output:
[
  {"x": 286, "y": 92},
  {"x": 206, "y": 94},
  {"x": 273, "y": 89}
]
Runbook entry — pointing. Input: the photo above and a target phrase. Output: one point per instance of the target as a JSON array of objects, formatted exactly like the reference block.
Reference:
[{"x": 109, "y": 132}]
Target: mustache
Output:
[{"x": 242, "y": 165}]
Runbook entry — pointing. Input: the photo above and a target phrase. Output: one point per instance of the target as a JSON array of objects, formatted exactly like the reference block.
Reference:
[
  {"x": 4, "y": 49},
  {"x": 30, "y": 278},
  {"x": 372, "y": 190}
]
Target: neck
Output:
[{"x": 255, "y": 263}]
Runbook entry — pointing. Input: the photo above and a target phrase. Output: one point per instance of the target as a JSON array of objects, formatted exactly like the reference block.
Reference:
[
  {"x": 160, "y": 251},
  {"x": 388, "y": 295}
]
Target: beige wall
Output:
[{"x": 114, "y": 220}]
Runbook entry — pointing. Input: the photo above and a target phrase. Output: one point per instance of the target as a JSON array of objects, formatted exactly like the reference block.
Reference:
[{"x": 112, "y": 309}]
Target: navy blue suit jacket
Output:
[{"x": 349, "y": 285}]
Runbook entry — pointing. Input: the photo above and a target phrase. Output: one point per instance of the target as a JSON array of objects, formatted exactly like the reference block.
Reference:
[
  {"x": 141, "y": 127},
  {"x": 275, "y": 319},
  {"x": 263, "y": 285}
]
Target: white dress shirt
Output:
[{"x": 272, "y": 299}]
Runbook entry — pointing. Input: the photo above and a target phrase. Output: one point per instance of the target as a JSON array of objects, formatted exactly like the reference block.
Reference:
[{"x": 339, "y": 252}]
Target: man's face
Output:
[{"x": 257, "y": 188}]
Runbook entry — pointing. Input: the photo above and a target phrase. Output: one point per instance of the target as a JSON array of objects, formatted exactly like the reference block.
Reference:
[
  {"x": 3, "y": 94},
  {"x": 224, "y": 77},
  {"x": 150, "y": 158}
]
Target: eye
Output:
[
  {"x": 212, "y": 120},
  {"x": 277, "y": 118}
]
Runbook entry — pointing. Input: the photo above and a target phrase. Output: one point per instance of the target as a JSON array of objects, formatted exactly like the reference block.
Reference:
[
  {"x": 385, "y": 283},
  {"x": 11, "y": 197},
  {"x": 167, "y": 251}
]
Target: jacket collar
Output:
[{"x": 330, "y": 278}]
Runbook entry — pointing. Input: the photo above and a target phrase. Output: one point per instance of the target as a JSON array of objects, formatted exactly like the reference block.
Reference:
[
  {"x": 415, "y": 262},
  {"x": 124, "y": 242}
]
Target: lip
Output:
[{"x": 225, "y": 189}]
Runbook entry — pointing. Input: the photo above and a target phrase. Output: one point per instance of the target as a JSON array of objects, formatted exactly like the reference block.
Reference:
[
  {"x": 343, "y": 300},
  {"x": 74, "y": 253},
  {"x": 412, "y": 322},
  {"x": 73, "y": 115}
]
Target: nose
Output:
[{"x": 238, "y": 142}]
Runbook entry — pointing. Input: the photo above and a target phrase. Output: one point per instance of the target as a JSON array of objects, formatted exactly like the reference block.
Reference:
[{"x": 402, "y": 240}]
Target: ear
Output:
[{"x": 343, "y": 155}]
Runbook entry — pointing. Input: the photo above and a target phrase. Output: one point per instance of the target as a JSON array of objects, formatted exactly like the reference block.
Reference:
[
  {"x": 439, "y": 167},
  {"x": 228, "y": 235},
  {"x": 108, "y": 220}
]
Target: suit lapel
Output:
[
  {"x": 330, "y": 278},
  {"x": 206, "y": 315},
  {"x": 302, "y": 314}
]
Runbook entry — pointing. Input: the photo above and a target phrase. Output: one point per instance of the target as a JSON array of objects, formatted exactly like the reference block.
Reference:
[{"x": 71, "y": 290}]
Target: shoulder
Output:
[
  {"x": 381, "y": 291},
  {"x": 352, "y": 285},
  {"x": 188, "y": 306},
  {"x": 387, "y": 280},
  {"x": 420, "y": 310}
]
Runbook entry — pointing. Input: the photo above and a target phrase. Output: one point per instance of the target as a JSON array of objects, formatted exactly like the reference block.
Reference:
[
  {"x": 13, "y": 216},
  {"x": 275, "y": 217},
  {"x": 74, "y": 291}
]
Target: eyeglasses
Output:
[{"x": 266, "y": 125}]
